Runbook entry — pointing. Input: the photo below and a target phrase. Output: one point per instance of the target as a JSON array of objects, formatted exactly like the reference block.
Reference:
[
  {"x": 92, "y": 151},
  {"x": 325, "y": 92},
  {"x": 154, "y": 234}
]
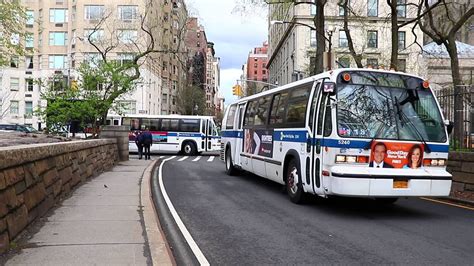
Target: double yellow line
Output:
[{"x": 448, "y": 203}]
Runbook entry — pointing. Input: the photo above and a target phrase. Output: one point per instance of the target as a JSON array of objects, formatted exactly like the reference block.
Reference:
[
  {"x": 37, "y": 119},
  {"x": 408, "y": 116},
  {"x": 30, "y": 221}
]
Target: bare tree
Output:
[{"x": 441, "y": 24}]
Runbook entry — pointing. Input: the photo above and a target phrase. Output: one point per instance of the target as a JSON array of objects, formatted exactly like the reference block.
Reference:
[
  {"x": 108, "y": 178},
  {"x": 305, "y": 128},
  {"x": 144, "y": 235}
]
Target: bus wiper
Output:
[{"x": 402, "y": 116}]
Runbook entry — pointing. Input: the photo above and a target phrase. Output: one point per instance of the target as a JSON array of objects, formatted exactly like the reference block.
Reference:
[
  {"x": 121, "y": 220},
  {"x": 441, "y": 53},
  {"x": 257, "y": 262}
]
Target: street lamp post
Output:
[{"x": 328, "y": 39}]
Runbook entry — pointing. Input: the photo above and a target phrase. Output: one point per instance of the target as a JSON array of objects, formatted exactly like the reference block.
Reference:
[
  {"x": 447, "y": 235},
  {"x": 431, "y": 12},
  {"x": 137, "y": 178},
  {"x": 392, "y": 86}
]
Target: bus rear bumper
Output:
[{"x": 388, "y": 183}]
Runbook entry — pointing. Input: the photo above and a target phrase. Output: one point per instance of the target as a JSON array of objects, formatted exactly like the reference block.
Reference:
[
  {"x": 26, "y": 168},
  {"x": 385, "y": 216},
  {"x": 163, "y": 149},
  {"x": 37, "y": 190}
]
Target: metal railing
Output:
[{"x": 446, "y": 97}]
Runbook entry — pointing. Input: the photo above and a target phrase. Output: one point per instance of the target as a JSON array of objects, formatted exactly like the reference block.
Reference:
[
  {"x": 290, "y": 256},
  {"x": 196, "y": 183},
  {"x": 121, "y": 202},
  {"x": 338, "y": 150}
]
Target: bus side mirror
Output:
[
  {"x": 329, "y": 87},
  {"x": 449, "y": 126}
]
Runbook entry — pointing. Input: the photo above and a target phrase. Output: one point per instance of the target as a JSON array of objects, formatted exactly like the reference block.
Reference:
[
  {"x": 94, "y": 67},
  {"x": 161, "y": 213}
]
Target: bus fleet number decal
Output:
[{"x": 343, "y": 142}]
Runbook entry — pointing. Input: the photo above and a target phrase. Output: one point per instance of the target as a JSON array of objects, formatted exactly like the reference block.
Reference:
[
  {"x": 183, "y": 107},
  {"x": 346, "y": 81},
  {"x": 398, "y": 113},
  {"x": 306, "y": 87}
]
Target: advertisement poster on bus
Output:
[
  {"x": 159, "y": 136},
  {"x": 258, "y": 142},
  {"x": 396, "y": 155}
]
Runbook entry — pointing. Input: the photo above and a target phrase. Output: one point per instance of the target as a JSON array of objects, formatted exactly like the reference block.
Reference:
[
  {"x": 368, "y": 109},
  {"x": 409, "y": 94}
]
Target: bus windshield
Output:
[{"x": 385, "y": 112}]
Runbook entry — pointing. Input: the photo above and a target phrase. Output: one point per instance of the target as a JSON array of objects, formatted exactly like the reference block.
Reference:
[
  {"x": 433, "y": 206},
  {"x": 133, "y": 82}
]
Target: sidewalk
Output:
[{"x": 108, "y": 220}]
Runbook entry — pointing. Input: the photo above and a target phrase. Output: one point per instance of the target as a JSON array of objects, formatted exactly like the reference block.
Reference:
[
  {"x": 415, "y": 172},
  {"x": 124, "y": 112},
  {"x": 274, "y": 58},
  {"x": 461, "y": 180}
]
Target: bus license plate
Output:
[{"x": 400, "y": 183}]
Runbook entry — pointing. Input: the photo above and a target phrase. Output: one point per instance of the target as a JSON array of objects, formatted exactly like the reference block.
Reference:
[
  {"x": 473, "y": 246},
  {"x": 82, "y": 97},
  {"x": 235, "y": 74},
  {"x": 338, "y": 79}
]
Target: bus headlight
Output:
[
  {"x": 340, "y": 158},
  {"x": 352, "y": 159}
]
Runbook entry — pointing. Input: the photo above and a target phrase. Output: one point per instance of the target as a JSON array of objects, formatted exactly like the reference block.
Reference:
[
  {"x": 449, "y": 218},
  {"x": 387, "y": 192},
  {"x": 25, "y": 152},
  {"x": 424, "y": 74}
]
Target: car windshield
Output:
[{"x": 370, "y": 111}]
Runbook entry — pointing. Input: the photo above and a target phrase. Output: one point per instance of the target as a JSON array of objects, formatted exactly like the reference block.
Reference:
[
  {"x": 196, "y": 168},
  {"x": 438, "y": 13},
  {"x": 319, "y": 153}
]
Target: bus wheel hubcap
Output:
[
  {"x": 187, "y": 148},
  {"x": 228, "y": 161},
  {"x": 292, "y": 179}
]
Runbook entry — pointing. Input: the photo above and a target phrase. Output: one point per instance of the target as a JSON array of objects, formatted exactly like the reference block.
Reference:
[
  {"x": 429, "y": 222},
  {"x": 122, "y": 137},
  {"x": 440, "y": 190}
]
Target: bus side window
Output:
[
  {"x": 166, "y": 124},
  {"x": 174, "y": 125},
  {"x": 229, "y": 123},
  {"x": 277, "y": 112},
  {"x": 296, "y": 111},
  {"x": 328, "y": 120},
  {"x": 250, "y": 113},
  {"x": 261, "y": 115},
  {"x": 154, "y": 125}
]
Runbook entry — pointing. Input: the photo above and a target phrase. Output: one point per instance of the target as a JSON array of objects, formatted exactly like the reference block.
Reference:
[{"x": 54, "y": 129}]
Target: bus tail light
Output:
[
  {"x": 434, "y": 162},
  {"x": 352, "y": 159},
  {"x": 325, "y": 173}
]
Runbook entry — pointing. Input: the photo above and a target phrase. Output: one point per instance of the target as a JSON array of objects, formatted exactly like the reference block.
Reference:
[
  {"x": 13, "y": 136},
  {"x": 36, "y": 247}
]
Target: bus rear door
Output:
[{"x": 239, "y": 116}]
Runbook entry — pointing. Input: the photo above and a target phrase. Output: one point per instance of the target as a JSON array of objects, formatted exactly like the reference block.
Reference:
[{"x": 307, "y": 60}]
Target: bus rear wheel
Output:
[
  {"x": 229, "y": 166},
  {"x": 293, "y": 182},
  {"x": 189, "y": 148}
]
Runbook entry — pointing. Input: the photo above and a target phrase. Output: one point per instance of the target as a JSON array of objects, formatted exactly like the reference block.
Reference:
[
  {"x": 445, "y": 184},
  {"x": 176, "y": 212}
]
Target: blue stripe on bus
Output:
[{"x": 301, "y": 136}]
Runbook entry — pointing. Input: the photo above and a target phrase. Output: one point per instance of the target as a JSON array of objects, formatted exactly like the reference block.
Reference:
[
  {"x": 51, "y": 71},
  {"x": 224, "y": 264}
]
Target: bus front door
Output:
[
  {"x": 239, "y": 116},
  {"x": 315, "y": 150}
]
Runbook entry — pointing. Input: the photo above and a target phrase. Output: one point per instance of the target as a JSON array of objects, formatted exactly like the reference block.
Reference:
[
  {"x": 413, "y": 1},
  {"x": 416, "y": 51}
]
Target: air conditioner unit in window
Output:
[{"x": 59, "y": 24}]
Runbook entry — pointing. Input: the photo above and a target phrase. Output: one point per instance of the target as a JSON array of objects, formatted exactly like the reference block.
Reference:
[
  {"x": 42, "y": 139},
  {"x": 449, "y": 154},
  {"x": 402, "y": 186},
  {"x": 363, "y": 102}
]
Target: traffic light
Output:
[{"x": 237, "y": 90}]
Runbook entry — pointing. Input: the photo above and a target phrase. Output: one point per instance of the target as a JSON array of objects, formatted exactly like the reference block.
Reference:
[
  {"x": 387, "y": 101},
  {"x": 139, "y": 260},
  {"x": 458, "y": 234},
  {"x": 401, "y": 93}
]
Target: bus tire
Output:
[
  {"x": 294, "y": 188},
  {"x": 189, "y": 148},
  {"x": 229, "y": 166},
  {"x": 386, "y": 201}
]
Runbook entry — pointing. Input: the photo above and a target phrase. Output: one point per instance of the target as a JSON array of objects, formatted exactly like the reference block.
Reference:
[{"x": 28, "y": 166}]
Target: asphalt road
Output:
[{"x": 247, "y": 220}]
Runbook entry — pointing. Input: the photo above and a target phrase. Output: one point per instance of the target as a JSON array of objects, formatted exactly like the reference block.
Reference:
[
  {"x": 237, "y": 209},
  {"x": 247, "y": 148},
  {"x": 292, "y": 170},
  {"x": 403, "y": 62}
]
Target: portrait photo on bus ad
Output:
[
  {"x": 258, "y": 142},
  {"x": 396, "y": 155}
]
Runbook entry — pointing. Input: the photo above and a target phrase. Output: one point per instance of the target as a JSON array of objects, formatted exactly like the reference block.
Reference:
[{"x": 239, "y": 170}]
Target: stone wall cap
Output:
[{"x": 16, "y": 155}]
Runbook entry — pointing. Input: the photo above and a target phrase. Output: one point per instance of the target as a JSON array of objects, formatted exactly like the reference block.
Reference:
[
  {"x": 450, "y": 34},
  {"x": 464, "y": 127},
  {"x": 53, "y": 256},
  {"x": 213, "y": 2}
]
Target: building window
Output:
[
  {"x": 58, "y": 15},
  {"x": 165, "y": 98},
  {"x": 30, "y": 18},
  {"x": 401, "y": 8},
  {"x": 312, "y": 42},
  {"x": 128, "y": 13},
  {"x": 125, "y": 58},
  {"x": 264, "y": 72},
  {"x": 255, "y": 72},
  {"x": 14, "y": 62},
  {"x": 14, "y": 84},
  {"x": 94, "y": 12},
  {"x": 401, "y": 40},
  {"x": 372, "y": 8},
  {"x": 58, "y": 38},
  {"x": 29, "y": 84},
  {"x": 29, "y": 62},
  {"x": 402, "y": 65},
  {"x": 127, "y": 36},
  {"x": 127, "y": 107},
  {"x": 341, "y": 8},
  {"x": 342, "y": 39},
  {"x": 372, "y": 62},
  {"x": 255, "y": 65},
  {"x": 344, "y": 62},
  {"x": 14, "y": 106},
  {"x": 95, "y": 35},
  {"x": 29, "y": 41},
  {"x": 372, "y": 39},
  {"x": 28, "y": 109},
  {"x": 313, "y": 9},
  {"x": 57, "y": 61},
  {"x": 92, "y": 59}
]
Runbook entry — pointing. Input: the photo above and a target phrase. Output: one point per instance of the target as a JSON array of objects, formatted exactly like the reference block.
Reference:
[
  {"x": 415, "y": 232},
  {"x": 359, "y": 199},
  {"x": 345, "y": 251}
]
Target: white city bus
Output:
[
  {"x": 175, "y": 133},
  {"x": 349, "y": 132}
]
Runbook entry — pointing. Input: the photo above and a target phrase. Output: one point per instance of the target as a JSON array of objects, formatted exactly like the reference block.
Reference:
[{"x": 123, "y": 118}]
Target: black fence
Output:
[{"x": 446, "y": 100}]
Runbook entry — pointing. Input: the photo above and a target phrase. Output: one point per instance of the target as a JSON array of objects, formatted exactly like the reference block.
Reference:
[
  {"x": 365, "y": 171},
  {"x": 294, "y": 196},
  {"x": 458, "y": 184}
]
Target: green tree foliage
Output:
[
  {"x": 12, "y": 24},
  {"x": 87, "y": 101},
  {"x": 192, "y": 100}
]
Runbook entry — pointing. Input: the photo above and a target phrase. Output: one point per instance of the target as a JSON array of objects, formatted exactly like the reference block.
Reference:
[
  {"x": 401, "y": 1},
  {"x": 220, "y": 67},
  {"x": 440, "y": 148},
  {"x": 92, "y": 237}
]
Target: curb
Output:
[
  {"x": 180, "y": 249},
  {"x": 159, "y": 249},
  {"x": 462, "y": 201}
]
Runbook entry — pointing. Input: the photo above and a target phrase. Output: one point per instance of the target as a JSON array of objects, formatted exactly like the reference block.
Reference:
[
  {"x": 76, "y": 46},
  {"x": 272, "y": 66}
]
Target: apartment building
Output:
[
  {"x": 57, "y": 45},
  {"x": 212, "y": 79},
  {"x": 292, "y": 46},
  {"x": 196, "y": 42},
  {"x": 257, "y": 69}
]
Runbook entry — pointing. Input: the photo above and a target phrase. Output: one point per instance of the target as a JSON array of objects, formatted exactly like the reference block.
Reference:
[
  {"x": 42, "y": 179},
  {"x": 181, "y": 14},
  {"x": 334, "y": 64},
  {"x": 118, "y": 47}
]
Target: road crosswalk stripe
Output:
[
  {"x": 161, "y": 157},
  {"x": 197, "y": 159},
  {"x": 210, "y": 159},
  {"x": 182, "y": 159}
]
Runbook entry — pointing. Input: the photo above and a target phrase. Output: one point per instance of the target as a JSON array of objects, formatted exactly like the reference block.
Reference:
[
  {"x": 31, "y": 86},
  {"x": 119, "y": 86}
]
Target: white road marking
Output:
[
  {"x": 197, "y": 159},
  {"x": 189, "y": 239},
  {"x": 182, "y": 159},
  {"x": 210, "y": 159},
  {"x": 162, "y": 156}
]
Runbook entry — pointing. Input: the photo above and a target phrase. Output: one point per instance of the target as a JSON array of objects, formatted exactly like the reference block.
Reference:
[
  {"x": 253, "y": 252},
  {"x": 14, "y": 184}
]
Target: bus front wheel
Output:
[
  {"x": 189, "y": 148},
  {"x": 229, "y": 166},
  {"x": 293, "y": 182}
]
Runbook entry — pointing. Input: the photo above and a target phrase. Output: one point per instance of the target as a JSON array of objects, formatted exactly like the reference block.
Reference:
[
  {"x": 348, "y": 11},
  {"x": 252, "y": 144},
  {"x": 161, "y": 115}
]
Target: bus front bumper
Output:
[{"x": 357, "y": 181}]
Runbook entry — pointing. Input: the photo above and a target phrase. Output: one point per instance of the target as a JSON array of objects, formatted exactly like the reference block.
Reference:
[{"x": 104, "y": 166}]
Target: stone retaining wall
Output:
[
  {"x": 35, "y": 177},
  {"x": 461, "y": 166}
]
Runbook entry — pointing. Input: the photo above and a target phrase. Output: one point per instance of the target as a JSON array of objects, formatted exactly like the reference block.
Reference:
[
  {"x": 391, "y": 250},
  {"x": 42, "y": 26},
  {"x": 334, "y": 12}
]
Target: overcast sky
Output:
[{"x": 233, "y": 34}]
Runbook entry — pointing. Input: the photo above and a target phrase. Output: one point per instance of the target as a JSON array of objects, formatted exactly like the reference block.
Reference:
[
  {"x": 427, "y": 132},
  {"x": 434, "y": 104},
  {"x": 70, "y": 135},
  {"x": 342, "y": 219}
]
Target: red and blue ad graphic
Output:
[
  {"x": 396, "y": 155},
  {"x": 258, "y": 142}
]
